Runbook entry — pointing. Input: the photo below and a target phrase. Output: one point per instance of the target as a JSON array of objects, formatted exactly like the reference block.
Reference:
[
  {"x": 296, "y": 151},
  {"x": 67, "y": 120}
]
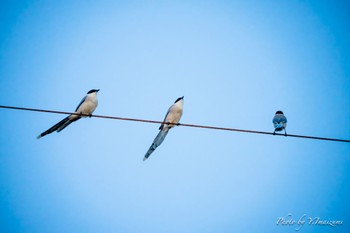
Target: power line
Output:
[{"x": 187, "y": 125}]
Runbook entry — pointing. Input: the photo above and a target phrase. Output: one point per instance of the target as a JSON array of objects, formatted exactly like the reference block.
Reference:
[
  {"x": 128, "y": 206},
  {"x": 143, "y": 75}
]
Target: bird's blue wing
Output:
[
  {"x": 162, "y": 125},
  {"x": 82, "y": 101},
  {"x": 284, "y": 119},
  {"x": 279, "y": 119}
]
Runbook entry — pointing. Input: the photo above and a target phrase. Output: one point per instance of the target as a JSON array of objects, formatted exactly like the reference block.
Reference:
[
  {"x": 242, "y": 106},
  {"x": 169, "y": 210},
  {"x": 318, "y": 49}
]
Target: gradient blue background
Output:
[{"x": 236, "y": 63}]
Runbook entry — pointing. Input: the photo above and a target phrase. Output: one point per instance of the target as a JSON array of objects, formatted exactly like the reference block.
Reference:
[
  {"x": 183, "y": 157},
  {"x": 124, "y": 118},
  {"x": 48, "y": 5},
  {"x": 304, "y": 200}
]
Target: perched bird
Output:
[
  {"x": 279, "y": 122},
  {"x": 86, "y": 107},
  {"x": 173, "y": 116}
]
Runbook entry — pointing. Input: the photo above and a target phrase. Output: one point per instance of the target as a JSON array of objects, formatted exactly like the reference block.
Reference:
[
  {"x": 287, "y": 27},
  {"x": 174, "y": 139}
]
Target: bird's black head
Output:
[
  {"x": 93, "y": 90},
  {"x": 279, "y": 112},
  {"x": 178, "y": 99}
]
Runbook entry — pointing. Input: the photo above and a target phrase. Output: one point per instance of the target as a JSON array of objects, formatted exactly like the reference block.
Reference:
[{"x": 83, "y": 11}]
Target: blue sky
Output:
[{"x": 236, "y": 63}]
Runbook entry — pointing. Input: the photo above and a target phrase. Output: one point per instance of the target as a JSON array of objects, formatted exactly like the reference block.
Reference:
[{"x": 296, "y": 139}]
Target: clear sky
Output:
[{"x": 236, "y": 63}]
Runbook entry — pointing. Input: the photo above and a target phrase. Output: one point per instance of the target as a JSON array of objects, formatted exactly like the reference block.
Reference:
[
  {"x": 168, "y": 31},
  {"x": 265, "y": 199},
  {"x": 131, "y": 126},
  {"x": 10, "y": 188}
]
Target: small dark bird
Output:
[
  {"x": 86, "y": 106},
  {"x": 279, "y": 122},
  {"x": 173, "y": 116}
]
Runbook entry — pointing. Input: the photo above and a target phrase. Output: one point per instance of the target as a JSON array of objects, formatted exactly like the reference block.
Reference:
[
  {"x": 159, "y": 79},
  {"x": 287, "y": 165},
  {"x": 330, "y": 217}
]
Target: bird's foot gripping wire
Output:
[
  {"x": 84, "y": 115},
  {"x": 172, "y": 124}
]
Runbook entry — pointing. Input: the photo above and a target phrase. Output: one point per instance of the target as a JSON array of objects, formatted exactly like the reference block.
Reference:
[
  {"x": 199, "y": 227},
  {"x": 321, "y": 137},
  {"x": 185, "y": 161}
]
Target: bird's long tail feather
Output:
[
  {"x": 63, "y": 123},
  {"x": 156, "y": 142}
]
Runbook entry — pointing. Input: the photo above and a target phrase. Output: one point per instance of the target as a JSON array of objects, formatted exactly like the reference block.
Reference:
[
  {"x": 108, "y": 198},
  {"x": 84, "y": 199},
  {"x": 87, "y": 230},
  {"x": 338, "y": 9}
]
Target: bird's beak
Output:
[{"x": 97, "y": 90}]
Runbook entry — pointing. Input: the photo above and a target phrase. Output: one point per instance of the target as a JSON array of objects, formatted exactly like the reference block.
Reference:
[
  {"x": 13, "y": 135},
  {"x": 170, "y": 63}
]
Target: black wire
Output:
[{"x": 187, "y": 125}]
